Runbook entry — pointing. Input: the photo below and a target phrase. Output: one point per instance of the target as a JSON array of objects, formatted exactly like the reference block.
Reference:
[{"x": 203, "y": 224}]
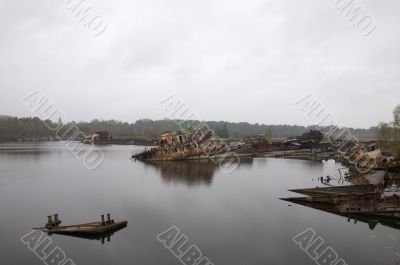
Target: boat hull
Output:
[{"x": 89, "y": 229}]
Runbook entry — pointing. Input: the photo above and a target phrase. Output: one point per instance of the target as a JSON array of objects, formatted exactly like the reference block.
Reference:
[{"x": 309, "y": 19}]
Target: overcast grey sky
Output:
[{"x": 226, "y": 59}]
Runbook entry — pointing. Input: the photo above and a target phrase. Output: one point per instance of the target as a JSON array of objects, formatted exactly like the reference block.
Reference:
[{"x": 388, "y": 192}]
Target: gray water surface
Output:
[{"x": 234, "y": 218}]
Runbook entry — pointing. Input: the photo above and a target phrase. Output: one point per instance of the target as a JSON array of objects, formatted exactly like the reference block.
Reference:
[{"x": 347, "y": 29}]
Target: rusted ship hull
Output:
[
  {"x": 193, "y": 144},
  {"x": 163, "y": 155}
]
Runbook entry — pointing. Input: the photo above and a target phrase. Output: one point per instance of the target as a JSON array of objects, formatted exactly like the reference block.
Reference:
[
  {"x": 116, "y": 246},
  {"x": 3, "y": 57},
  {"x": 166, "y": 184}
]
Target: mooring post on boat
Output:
[
  {"x": 49, "y": 219},
  {"x": 108, "y": 218},
  {"x": 102, "y": 220},
  {"x": 56, "y": 220}
]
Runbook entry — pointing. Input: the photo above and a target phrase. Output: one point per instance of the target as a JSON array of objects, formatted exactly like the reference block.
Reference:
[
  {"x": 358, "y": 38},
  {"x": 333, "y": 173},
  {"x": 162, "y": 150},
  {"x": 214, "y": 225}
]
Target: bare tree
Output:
[{"x": 396, "y": 123}]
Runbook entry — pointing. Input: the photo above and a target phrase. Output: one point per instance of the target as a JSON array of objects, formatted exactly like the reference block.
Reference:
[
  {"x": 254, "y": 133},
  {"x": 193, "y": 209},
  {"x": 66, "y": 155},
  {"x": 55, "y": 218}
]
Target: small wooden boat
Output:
[{"x": 94, "y": 229}]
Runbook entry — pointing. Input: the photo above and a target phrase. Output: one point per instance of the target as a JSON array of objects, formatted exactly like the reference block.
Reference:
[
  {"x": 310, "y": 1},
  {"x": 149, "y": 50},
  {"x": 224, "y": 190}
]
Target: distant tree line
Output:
[
  {"x": 12, "y": 128},
  {"x": 388, "y": 133}
]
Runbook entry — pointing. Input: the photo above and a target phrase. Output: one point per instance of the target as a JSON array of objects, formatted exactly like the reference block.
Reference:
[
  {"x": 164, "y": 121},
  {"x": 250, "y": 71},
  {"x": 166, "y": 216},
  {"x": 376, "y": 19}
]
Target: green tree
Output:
[{"x": 223, "y": 131}]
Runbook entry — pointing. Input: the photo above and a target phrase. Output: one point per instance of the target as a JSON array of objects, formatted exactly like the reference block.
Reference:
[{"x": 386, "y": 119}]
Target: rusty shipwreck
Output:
[{"x": 197, "y": 144}]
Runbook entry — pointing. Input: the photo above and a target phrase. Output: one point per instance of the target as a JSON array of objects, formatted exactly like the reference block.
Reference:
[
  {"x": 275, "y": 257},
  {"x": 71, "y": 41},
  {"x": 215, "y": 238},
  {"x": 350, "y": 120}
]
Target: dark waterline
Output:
[{"x": 233, "y": 218}]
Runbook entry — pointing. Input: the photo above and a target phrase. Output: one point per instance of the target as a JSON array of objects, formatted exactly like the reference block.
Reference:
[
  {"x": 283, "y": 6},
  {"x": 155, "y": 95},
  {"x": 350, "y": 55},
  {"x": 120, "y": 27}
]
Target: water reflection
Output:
[
  {"x": 242, "y": 221},
  {"x": 24, "y": 151},
  {"x": 366, "y": 205},
  {"x": 190, "y": 172},
  {"x": 36, "y": 149}
]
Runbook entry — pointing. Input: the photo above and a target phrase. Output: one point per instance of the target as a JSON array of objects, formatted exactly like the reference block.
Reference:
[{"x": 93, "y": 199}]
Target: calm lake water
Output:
[{"x": 234, "y": 218}]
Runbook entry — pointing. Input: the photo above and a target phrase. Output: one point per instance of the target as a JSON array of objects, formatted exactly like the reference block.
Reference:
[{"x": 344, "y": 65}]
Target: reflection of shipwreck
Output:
[
  {"x": 197, "y": 144},
  {"x": 190, "y": 172},
  {"x": 367, "y": 203},
  {"x": 370, "y": 208}
]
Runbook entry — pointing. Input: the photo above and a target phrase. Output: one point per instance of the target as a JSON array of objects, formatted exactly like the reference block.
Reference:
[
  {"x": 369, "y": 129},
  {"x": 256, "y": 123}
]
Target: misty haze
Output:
[{"x": 200, "y": 132}]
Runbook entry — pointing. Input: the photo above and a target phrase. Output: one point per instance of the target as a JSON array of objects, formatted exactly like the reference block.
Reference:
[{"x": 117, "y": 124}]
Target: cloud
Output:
[{"x": 229, "y": 60}]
